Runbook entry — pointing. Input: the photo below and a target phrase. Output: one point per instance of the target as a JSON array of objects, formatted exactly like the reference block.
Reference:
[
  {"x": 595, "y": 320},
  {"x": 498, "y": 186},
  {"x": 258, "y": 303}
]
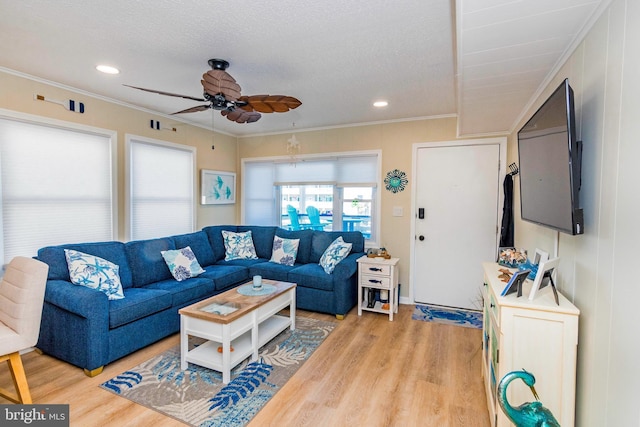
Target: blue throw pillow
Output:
[
  {"x": 95, "y": 273},
  {"x": 284, "y": 251},
  {"x": 238, "y": 245},
  {"x": 336, "y": 252},
  {"x": 182, "y": 263}
]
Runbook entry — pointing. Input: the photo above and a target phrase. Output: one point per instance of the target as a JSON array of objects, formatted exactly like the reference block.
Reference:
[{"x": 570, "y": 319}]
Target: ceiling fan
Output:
[{"x": 223, "y": 93}]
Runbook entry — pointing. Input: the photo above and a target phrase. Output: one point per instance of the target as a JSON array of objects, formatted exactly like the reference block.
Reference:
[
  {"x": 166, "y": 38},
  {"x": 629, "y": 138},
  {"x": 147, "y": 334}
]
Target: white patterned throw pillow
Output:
[
  {"x": 336, "y": 252},
  {"x": 284, "y": 250},
  {"x": 238, "y": 245},
  {"x": 182, "y": 263},
  {"x": 95, "y": 273}
]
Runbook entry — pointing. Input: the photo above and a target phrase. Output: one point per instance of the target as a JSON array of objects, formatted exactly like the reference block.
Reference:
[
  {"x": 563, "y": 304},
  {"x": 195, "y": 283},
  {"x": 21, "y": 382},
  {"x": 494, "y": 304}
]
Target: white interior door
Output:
[{"x": 458, "y": 188}]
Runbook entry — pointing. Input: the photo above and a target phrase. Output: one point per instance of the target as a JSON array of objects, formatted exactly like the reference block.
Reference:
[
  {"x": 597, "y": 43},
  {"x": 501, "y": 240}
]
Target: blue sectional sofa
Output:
[{"x": 83, "y": 327}]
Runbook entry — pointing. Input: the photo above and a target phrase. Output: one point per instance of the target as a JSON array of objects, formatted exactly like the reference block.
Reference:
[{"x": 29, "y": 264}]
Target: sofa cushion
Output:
[
  {"x": 238, "y": 245},
  {"x": 272, "y": 270},
  {"x": 184, "y": 291},
  {"x": 146, "y": 262},
  {"x": 214, "y": 234},
  {"x": 304, "y": 247},
  {"x": 262, "y": 238},
  {"x": 182, "y": 263},
  {"x": 336, "y": 252},
  {"x": 284, "y": 251},
  {"x": 322, "y": 239},
  {"x": 225, "y": 276},
  {"x": 136, "y": 304},
  {"x": 311, "y": 276},
  {"x": 111, "y": 251},
  {"x": 95, "y": 273},
  {"x": 199, "y": 244}
]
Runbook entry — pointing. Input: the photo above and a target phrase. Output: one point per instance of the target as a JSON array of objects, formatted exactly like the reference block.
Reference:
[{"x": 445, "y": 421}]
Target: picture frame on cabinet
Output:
[
  {"x": 217, "y": 187},
  {"x": 544, "y": 277},
  {"x": 540, "y": 256},
  {"x": 515, "y": 283}
]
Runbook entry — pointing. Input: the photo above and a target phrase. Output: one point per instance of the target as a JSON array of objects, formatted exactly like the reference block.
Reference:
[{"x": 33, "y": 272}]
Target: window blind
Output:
[
  {"x": 57, "y": 186},
  {"x": 259, "y": 194},
  {"x": 161, "y": 188},
  {"x": 260, "y": 178}
]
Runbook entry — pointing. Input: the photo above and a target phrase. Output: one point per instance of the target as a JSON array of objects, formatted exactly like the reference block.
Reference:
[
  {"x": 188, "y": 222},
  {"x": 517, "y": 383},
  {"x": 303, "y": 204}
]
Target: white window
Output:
[
  {"x": 57, "y": 184},
  {"x": 342, "y": 187},
  {"x": 161, "y": 188}
]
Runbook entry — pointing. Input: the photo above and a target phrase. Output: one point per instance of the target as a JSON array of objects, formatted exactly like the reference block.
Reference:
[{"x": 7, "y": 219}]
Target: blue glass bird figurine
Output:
[{"x": 529, "y": 414}]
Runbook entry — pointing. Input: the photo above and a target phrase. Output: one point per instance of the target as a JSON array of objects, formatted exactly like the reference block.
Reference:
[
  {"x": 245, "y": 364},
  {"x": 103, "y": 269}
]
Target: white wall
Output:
[{"x": 598, "y": 269}]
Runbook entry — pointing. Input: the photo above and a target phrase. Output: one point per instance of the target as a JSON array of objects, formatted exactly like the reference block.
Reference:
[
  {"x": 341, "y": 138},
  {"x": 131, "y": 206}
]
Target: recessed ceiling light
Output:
[
  {"x": 380, "y": 104},
  {"x": 107, "y": 69}
]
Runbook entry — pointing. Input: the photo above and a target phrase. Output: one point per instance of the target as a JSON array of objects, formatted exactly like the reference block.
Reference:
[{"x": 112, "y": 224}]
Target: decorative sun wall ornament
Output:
[{"x": 395, "y": 181}]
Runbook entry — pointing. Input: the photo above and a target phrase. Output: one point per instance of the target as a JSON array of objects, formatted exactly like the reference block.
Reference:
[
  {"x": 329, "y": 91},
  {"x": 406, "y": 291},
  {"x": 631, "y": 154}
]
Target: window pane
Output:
[
  {"x": 357, "y": 209},
  {"x": 56, "y": 187},
  {"x": 302, "y": 198},
  {"x": 359, "y": 193}
]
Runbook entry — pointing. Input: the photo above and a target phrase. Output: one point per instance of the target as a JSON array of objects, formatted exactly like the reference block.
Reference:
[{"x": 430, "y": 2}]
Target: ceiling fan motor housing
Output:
[
  {"x": 218, "y": 101},
  {"x": 218, "y": 64}
]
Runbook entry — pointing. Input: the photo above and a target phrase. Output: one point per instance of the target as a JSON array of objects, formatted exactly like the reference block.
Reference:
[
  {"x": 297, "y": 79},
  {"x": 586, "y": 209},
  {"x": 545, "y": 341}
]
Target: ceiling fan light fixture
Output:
[
  {"x": 380, "y": 104},
  {"x": 107, "y": 69}
]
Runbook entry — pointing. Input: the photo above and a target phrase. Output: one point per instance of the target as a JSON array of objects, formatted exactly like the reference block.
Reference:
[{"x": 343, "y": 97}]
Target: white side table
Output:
[{"x": 382, "y": 274}]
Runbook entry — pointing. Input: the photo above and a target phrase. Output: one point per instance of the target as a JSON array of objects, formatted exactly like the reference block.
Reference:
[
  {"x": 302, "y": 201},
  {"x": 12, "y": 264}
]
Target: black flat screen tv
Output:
[{"x": 550, "y": 158}]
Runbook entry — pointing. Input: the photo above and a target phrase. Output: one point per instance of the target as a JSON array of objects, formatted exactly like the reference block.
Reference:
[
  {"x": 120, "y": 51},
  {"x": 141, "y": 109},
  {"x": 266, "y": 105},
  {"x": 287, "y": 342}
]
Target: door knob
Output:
[{"x": 421, "y": 238}]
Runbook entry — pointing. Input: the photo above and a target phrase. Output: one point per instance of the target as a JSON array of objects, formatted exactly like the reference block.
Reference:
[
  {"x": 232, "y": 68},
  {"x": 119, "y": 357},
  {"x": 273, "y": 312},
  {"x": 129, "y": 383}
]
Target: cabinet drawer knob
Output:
[
  {"x": 375, "y": 281},
  {"x": 375, "y": 269}
]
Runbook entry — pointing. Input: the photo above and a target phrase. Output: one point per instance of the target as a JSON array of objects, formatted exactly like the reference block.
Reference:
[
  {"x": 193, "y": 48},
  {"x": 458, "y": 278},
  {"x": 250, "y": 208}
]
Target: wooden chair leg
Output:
[{"x": 19, "y": 380}]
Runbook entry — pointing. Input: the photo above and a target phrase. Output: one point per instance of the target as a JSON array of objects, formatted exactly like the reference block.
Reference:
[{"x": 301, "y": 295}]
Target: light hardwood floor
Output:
[{"x": 368, "y": 372}]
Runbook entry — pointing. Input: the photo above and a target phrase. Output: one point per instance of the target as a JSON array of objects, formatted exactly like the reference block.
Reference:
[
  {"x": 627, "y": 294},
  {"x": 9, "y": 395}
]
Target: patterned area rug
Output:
[
  {"x": 198, "y": 397},
  {"x": 450, "y": 316}
]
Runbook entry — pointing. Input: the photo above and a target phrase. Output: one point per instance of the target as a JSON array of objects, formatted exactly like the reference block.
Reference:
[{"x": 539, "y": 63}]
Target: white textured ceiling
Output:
[
  {"x": 506, "y": 49},
  {"x": 337, "y": 57}
]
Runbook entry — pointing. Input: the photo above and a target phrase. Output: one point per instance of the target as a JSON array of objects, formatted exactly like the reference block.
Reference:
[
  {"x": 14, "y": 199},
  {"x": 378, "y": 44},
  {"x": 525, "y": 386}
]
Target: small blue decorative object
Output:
[
  {"x": 528, "y": 265},
  {"x": 530, "y": 414}
]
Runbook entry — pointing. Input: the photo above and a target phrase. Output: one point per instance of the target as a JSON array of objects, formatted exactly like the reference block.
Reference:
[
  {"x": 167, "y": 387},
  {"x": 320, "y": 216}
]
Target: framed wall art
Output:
[{"x": 217, "y": 187}]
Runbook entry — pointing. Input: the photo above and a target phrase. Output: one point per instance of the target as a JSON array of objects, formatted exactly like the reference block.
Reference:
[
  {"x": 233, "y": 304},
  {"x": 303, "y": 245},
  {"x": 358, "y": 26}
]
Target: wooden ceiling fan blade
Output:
[
  {"x": 194, "y": 109},
  {"x": 231, "y": 84},
  {"x": 221, "y": 81},
  {"x": 240, "y": 116},
  {"x": 159, "y": 92},
  {"x": 252, "y": 117},
  {"x": 271, "y": 103},
  {"x": 230, "y": 93},
  {"x": 218, "y": 75}
]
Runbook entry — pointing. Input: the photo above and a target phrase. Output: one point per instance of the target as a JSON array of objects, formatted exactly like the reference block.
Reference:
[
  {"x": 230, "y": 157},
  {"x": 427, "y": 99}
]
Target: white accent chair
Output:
[{"x": 21, "y": 300}]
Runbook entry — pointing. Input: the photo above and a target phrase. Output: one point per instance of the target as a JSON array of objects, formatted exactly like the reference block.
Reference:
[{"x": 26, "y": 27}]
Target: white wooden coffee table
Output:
[{"x": 232, "y": 320}]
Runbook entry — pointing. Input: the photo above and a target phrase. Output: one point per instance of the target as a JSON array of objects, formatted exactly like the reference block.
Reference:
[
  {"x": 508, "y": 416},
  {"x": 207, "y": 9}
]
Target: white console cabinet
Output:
[{"x": 538, "y": 336}]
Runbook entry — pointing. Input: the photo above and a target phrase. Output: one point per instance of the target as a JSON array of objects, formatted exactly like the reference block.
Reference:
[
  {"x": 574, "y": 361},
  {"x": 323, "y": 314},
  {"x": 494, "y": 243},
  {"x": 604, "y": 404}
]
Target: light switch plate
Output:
[{"x": 398, "y": 211}]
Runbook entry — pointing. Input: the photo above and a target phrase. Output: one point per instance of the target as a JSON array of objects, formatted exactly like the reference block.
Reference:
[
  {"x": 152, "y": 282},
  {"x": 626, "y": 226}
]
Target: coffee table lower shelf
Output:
[{"x": 207, "y": 354}]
